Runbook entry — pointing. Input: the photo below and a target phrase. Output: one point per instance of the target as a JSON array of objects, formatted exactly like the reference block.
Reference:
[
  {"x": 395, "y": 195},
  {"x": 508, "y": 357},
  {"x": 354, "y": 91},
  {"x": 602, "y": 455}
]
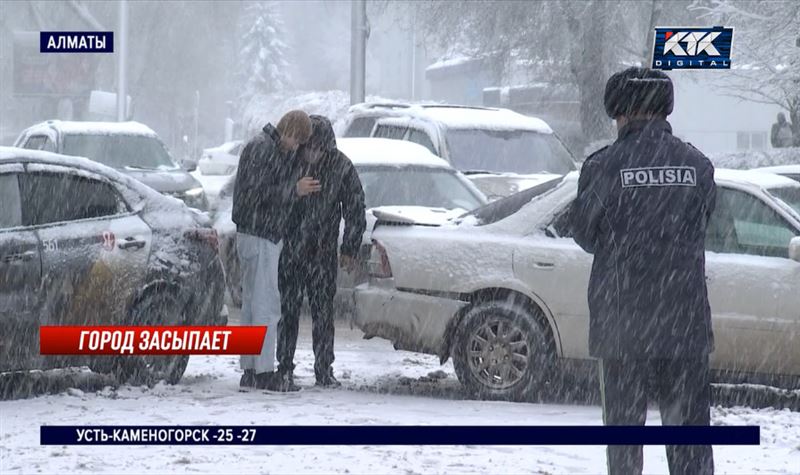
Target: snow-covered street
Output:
[{"x": 380, "y": 386}]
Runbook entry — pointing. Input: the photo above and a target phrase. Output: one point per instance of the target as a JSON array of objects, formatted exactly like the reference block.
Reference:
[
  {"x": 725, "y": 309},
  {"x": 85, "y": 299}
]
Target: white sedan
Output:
[
  {"x": 221, "y": 160},
  {"x": 504, "y": 291}
]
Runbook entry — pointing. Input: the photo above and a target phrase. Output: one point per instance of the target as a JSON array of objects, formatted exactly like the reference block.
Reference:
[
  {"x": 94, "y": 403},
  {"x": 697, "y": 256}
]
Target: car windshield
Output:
[
  {"x": 417, "y": 186},
  {"x": 121, "y": 151},
  {"x": 789, "y": 195},
  {"x": 515, "y": 151}
]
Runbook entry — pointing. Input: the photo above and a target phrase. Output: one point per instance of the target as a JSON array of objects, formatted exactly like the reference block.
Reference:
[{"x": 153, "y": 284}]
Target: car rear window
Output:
[
  {"x": 390, "y": 132},
  {"x": 360, "y": 127},
  {"x": 515, "y": 151}
]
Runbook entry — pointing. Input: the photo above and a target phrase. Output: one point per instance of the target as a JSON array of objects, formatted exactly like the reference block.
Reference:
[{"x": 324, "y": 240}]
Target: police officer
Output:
[{"x": 642, "y": 209}]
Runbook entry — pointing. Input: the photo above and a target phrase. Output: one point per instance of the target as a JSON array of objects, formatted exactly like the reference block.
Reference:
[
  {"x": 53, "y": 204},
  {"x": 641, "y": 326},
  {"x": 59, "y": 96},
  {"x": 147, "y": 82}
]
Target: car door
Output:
[
  {"x": 20, "y": 277},
  {"x": 554, "y": 267},
  {"x": 94, "y": 248},
  {"x": 753, "y": 285}
]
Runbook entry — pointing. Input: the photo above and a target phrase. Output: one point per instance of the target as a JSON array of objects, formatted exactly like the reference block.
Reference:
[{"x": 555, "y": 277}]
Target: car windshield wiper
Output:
[
  {"x": 476, "y": 172},
  {"x": 137, "y": 167}
]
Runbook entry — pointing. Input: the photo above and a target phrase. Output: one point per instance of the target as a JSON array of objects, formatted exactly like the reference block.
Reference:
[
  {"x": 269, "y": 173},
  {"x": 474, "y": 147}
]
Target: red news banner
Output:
[{"x": 151, "y": 340}]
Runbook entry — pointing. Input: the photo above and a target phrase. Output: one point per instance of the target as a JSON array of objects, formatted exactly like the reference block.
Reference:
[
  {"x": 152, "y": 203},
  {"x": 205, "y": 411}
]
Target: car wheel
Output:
[
  {"x": 501, "y": 351},
  {"x": 157, "y": 308}
]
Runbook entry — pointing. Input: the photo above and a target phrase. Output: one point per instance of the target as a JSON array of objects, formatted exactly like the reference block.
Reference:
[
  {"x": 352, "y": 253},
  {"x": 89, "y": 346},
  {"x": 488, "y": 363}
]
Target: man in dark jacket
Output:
[
  {"x": 268, "y": 181},
  {"x": 642, "y": 209},
  {"x": 781, "y": 133},
  {"x": 309, "y": 258}
]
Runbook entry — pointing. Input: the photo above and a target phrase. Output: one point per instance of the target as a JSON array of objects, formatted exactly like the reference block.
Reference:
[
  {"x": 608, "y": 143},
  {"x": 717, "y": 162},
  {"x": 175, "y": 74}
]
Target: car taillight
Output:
[
  {"x": 206, "y": 235},
  {"x": 378, "y": 264}
]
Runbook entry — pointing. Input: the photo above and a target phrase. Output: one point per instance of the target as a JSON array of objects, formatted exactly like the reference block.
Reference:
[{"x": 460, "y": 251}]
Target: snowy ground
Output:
[{"x": 380, "y": 386}]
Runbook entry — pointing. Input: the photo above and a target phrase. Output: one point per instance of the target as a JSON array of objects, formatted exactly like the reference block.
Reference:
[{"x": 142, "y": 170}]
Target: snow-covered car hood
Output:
[
  {"x": 499, "y": 185},
  {"x": 163, "y": 181},
  {"x": 420, "y": 215}
]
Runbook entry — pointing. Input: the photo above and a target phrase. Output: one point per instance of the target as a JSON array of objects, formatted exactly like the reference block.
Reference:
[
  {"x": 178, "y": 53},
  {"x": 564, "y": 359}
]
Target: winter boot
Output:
[
  {"x": 327, "y": 380},
  {"x": 248, "y": 379}
]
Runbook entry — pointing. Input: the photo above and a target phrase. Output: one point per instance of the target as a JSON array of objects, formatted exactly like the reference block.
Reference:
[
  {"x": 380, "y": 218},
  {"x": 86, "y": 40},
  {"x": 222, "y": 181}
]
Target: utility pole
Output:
[
  {"x": 196, "y": 149},
  {"x": 122, "y": 62},
  {"x": 358, "y": 51}
]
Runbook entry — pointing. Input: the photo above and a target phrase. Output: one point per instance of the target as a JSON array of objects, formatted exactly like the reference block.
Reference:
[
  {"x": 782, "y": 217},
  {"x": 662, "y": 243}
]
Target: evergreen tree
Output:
[{"x": 263, "y": 68}]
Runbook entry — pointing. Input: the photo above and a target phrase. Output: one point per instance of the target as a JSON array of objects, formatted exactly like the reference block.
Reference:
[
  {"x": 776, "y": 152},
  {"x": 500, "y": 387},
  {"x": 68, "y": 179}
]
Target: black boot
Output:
[
  {"x": 275, "y": 381},
  {"x": 248, "y": 379},
  {"x": 327, "y": 380}
]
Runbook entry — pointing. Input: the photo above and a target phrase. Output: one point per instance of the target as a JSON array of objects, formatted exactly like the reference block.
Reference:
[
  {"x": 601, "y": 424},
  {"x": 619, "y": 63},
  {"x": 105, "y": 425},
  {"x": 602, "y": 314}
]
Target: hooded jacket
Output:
[
  {"x": 642, "y": 209},
  {"x": 265, "y": 187},
  {"x": 315, "y": 218}
]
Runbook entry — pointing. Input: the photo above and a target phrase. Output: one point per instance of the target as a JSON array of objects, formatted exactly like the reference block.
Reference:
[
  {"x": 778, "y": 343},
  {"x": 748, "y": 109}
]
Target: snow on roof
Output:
[
  {"x": 749, "y": 159},
  {"x": 450, "y": 62},
  {"x": 13, "y": 154},
  {"x": 98, "y": 128},
  {"x": 754, "y": 178},
  {"x": 481, "y": 118},
  {"x": 225, "y": 147},
  {"x": 264, "y": 108},
  {"x": 379, "y": 151}
]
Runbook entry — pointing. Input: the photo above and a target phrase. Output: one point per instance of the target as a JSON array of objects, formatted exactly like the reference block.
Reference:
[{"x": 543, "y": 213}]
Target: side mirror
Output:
[{"x": 794, "y": 249}]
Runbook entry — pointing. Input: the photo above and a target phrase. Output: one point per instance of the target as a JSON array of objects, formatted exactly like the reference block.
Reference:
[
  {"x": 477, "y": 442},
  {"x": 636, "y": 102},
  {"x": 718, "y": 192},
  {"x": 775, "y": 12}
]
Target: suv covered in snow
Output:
[
  {"x": 130, "y": 147},
  {"x": 82, "y": 244},
  {"x": 500, "y": 150}
]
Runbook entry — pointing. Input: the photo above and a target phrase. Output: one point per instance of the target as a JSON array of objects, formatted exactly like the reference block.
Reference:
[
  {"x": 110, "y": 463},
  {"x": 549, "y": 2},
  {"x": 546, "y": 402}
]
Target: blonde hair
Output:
[{"x": 295, "y": 123}]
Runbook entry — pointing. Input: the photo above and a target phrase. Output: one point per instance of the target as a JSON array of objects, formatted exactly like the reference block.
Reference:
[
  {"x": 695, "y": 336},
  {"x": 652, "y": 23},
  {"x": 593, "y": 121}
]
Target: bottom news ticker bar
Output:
[{"x": 400, "y": 435}]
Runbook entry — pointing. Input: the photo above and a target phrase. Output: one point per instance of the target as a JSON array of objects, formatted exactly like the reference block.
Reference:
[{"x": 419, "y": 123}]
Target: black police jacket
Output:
[{"x": 642, "y": 209}]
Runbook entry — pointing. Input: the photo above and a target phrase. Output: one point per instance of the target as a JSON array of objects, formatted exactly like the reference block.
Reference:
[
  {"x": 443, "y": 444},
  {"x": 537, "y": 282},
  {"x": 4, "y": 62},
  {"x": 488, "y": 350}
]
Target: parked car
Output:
[
  {"x": 82, "y": 244},
  {"x": 789, "y": 171},
  {"x": 130, "y": 147},
  {"x": 221, "y": 160},
  {"x": 500, "y": 150},
  {"x": 401, "y": 178},
  {"x": 503, "y": 290},
  {"x": 360, "y": 118}
]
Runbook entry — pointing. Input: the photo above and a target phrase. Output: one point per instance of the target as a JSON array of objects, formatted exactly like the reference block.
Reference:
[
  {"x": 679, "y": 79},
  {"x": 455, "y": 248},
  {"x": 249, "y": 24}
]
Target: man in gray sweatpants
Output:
[{"x": 268, "y": 181}]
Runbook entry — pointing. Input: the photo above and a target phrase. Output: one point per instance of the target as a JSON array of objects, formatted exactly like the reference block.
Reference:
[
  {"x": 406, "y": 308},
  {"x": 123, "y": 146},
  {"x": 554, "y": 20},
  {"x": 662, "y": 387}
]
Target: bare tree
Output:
[
  {"x": 766, "y": 55},
  {"x": 579, "y": 43}
]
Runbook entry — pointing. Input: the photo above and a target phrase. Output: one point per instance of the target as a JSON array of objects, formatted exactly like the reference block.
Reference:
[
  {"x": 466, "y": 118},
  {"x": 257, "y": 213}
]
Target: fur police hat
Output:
[{"x": 638, "y": 91}]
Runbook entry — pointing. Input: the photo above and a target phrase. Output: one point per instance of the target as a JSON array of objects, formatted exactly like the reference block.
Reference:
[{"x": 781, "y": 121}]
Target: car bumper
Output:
[{"x": 412, "y": 321}]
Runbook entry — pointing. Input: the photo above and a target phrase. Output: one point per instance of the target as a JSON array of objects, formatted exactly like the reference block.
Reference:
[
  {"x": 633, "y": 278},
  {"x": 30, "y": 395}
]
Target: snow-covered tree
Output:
[
  {"x": 263, "y": 68},
  {"x": 560, "y": 41},
  {"x": 766, "y": 50}
]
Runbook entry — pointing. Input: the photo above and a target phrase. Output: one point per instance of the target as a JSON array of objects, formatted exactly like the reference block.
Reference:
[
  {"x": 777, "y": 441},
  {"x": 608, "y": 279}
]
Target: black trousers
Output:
[
  {"x": 312, "y": 273},
  {"x": 682, "y": 388}
]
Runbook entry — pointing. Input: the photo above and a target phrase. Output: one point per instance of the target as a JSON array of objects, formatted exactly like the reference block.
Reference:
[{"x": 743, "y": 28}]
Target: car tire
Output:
[
  {"x": 502, "y": 351},
  {"x": 157, "y": 308}
]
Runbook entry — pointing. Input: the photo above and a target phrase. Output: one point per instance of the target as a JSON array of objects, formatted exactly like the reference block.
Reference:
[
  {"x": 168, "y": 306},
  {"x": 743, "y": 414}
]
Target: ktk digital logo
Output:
[{"x": 692, "y": 48}]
